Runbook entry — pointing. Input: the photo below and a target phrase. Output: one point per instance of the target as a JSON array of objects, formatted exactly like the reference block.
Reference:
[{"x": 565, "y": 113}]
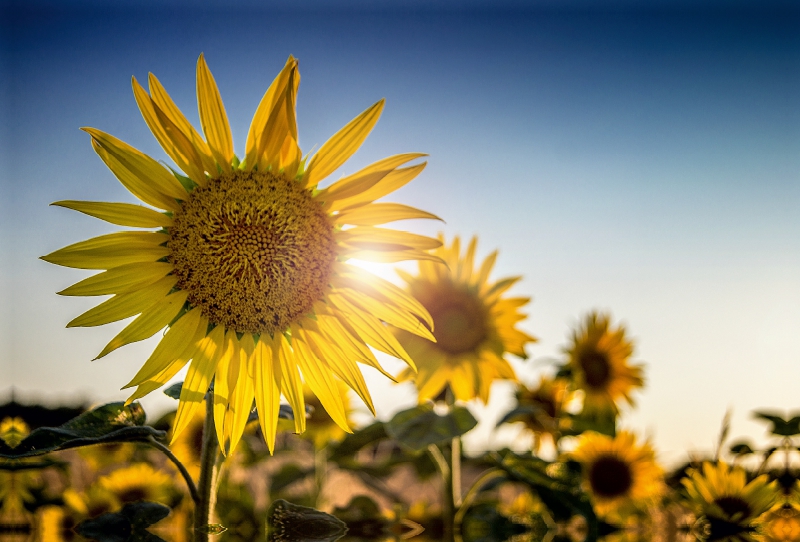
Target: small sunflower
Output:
[
  {"x": 598, "y": 357},
  {"x": 247, "y": 264},
  {"x": 782, "y": 524},
  {"x": 618, "y": 473},
  {"x": 138, "y": 482},
  {"x": 473, "y": 324},
  {"x": 727, "y": 499}
]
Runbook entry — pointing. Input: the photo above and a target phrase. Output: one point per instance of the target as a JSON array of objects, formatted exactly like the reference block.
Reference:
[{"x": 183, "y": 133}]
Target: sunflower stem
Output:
[
  {"x": 209, "y": 469},
  {"x": 181, "y": 468}
]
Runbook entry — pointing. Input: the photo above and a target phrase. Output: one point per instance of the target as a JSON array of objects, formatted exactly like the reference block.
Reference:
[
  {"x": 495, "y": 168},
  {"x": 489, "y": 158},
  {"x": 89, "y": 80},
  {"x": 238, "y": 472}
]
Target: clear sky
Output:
[{"x": 643, "y": 162}]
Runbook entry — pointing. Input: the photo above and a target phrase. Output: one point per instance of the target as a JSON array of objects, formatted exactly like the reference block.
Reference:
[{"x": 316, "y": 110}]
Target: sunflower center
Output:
[
  {"x": 459, "y": 320},
  {"x": 610, "y": 477},
  {"x": 253, "y": 250},
  {"x": 133, "y": 494},
  {"x": 596, "y": 368},
  {"x": 731, "y": 505}
]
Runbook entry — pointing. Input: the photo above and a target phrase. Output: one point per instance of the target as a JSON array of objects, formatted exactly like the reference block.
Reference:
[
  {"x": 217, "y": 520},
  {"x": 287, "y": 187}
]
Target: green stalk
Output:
[{"x": 209, "y": 469}]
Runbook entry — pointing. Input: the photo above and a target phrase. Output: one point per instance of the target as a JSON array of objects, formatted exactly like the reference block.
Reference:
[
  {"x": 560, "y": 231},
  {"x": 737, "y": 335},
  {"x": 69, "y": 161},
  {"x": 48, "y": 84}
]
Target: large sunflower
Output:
[
  {"x": 618, "y": 473},
  {"x": 598, "y": 358},
  {"x": 247, "y": 265},
  {"x": 727, "y": 499},
  {"x": 472, "y": 323}
]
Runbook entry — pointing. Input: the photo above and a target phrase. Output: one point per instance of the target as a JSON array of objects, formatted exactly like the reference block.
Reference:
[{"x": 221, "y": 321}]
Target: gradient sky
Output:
[{"x": 643, "y": 162}]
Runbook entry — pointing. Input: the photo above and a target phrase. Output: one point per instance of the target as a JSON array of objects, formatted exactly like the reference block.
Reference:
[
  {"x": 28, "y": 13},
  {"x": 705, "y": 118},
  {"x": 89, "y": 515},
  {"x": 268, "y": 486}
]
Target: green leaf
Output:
[
  {"x": 289, "y": 522},
  {"x": 576, "y": 424},
  {"x": 419, "y": 427},
  {"x": 357, "y": 440},
  {"x": 113, "y": 422},
  {"x": 741, "y": 448},
  {"x": 780, "y": 426},
  {"x": 174, "y": 391}
]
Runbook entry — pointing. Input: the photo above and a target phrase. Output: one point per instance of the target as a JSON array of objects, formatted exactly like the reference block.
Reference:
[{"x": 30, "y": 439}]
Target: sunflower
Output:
[
  {"x": 138, "y": 482},
  {"x": 598, "y": 358},
  {"x": 473, "y": 325},
  {"x": 727, "y": 499},
  {"x": 618, "y": 473},
  {"x": 247, "y": 266}
]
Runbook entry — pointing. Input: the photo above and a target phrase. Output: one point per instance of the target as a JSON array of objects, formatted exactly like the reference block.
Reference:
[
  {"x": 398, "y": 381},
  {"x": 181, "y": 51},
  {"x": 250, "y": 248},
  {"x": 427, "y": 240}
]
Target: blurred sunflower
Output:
[
  {"x": 247, "y": 266},
  {"x": 13, "y": 430},
  {"x": 618, "y": 473},
  {"x": 138, "y": 482},
  {"x": 727, "y": 499},
  {"x": 472, "y": 323},
  {"x": 598, "y": 358},
  {"x": 540, "y": 408}
]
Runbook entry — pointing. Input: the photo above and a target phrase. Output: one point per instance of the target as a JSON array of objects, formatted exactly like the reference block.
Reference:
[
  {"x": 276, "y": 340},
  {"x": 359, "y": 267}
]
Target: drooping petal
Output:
[
  {"x": 121, "y": 214},
  {"x": 125, "y": 305},
  {"x": 291, "y": 384},
  {"x": 241, "y": 401},
  {"x": 151, "y": 321},
  {"x": 119, "y": 280},
  {"x": 198, "y": 378},
  {"x": 160, "y": 379},
  {"x": 387, "y": 313},
  {"x": 265, "y": 368},
  {"x": 342, "y": 145},
  {"x": 212, "y": 116},
  {"x": 223, "y": 384}
]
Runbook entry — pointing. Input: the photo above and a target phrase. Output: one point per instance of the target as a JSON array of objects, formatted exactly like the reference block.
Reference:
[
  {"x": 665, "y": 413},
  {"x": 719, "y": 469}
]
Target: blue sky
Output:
[{"x": 643, "y": 162}]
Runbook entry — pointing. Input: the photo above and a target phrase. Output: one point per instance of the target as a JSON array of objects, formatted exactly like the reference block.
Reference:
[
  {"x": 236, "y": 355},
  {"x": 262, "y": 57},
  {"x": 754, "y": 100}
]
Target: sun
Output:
[
  {"x": 474, "y": 325},
  {"x": 245, "y": 262}
]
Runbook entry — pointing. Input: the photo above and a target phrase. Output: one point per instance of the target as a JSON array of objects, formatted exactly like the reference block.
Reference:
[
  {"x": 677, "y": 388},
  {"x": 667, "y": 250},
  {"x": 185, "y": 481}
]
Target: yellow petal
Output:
[
  {"x": 122, "y": 214},
  {"x": 212, "y": 116},
  {"x": 319, "y": 379},
  {"x": 119, "y": 280},
  {"x": 258, "y": 127},
  {"x": 172, "y": 139},
  {"x": 151, "y": 321},
  {"x": 162, "y": 100},
  {"x": 372, "y": 238},
  {"x": 463, "y": 269},
  {"x": 111, "y": 250},
  {"x": 328, "y": 357},
  {"x": 277, "y": 145},
  {"x": 364, "y": 179},
  {"x": 291, "y": 384},
  {"x": 486, "y": 268},
  {"x": 355, "y": 278},
  {"x": 122, "y": 306},
  {"x": 385, "y": 254},
  {"x": 386, "y": 313},
  {"x": 342, "y": 145},
  {"x": 391, "y": 182},
  {"x": 265, "y": 367},
  {"x": 159, "y": 380},
  {"x": 241, "y": 402},
  {"x": 140, "y": 165},
  {"x": 221, "y": 391},
  {"x": 198, "y": 378},
  {"x": 181, "y": 336},
  {"x": 381, "y": 213}
]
